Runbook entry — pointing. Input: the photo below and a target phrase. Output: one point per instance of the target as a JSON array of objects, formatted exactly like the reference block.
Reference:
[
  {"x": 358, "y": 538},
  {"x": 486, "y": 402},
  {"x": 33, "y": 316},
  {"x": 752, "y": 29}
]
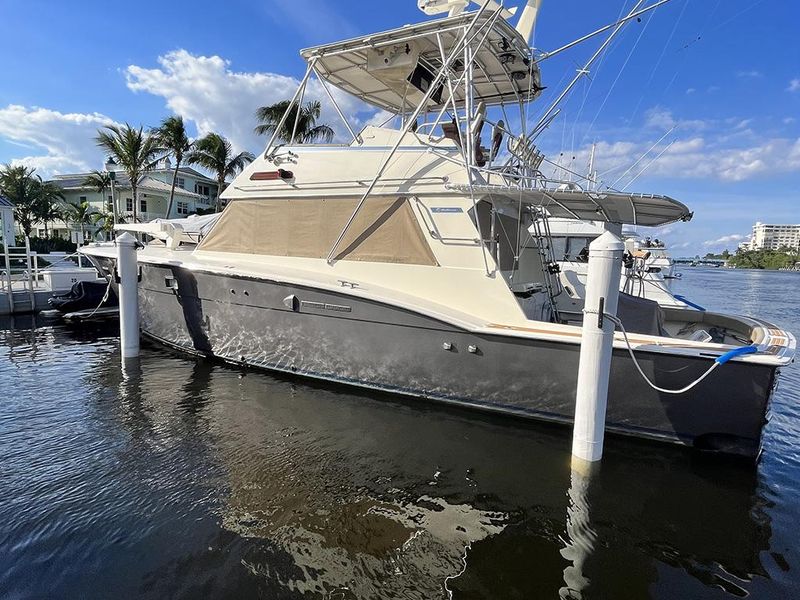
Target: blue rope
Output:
[
  {"x": 736, "y": 352},
  {"x": 688, "y": 302}
]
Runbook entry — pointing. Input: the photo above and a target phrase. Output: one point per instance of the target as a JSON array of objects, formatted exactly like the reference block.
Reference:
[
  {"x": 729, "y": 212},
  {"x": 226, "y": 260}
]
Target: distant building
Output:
[
  {"x": 193, "y": 191},
  {"x": 773, "y": 237}
]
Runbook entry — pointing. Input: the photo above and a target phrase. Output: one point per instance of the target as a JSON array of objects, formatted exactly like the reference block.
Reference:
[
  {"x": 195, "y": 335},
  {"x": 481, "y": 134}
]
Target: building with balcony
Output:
[
  {"x": 193, "y": 192},
  {"x": 774, "y": 237}
]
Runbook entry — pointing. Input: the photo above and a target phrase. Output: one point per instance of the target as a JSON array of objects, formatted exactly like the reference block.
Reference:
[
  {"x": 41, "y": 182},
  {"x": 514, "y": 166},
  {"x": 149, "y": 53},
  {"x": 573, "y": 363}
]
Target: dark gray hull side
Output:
[{"x": 341, "y": 338}]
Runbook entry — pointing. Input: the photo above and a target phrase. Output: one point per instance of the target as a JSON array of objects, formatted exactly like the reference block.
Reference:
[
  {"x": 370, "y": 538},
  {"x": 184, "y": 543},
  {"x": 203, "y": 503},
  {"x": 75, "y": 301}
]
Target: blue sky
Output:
[{"x": 724, "y": 73}]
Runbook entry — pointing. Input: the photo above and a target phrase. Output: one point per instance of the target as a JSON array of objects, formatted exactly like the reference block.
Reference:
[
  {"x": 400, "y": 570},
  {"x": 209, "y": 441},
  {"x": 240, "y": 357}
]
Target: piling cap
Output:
[
  {"x": 607, "y": 242},
  {"x": 125, "y": 239}
]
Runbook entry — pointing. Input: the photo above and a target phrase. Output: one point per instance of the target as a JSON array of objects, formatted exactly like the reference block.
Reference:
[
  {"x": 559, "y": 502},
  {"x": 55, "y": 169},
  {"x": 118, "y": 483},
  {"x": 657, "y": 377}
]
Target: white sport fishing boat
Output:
[
  {"x": 403, "y": 260},
  {"x": 647, "y": 269}
]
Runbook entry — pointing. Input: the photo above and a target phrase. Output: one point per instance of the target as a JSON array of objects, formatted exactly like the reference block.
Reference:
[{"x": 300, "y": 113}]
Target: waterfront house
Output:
[{"x": 194, "y": 192}]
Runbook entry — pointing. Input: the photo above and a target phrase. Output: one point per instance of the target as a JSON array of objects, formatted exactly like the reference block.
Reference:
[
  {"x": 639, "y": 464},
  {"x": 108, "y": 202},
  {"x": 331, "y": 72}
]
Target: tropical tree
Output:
[
  {"x": 133, "y": 149},
  {"x": 171, "y": 135},
  {"x": 105, "y": 220},
  {"x": 307, "y": 129},
  {"x": 79, "y": 214},
  {"x": 214, "y": 153},
  {"x": 99, "y": 181},
  {"x": 49, "y": 204},
  {"x": 17, "y": 183}
]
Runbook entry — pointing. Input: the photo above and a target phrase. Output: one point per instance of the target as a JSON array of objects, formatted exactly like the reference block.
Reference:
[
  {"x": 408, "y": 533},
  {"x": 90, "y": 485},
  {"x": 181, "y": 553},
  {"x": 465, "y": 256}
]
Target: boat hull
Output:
[{"x": 342, "y": 338}]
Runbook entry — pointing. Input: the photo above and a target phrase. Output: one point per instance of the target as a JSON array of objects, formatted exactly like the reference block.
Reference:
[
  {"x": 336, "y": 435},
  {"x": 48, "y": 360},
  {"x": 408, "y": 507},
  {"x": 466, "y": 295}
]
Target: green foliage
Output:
[
  {"x": 99, "y": 181},
  {"x": 132, "y": 149},
  {"x": 307, "y": 131},
  {"x": 765, "y": 259},
  {"x": 35, "y": 200},
  {"x": 174, "y": 141},
  {"x": 104, "y": 220},
  {"x": 40, "y": 246},
  {"x": 53, "y": 244},
  {"x": 214, "y": 153}
]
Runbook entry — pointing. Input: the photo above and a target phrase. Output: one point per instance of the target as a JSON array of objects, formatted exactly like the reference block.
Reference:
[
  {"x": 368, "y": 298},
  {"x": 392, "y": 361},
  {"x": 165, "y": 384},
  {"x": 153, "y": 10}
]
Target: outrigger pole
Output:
[
  {"x": 630, "y": 16},
  {"x": 300, "y": 88},
  {"x": 585, "y": 69}
]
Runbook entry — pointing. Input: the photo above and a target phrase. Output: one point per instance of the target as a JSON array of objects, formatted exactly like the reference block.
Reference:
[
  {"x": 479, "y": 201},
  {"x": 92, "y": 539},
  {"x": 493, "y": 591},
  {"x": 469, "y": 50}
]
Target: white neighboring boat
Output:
[
  {"x": 401, "y": 261},
  {"x": 647, "y": 272}
]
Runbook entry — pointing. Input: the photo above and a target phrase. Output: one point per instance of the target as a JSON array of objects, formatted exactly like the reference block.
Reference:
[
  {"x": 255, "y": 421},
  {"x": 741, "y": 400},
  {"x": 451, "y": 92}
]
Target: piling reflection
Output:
[
  {"x": 581, "y": 537},
  {"x": 322, "y": 491}
]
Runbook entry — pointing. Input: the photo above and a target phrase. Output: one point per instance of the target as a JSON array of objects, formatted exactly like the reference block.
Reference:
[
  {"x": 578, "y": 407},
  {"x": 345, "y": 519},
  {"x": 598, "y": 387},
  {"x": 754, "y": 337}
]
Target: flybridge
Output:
[
  {"x": 394, "y": 69},
  {"x": 449, "y": 73}
]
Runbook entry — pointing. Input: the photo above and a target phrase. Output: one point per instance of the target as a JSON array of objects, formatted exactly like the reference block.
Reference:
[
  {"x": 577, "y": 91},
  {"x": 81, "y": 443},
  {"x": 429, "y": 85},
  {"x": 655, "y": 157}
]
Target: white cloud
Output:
[
  {"x": 205, "y": 90},
  {"x": 662, "y": 118},
  {"x": 690, "y": 91},
  {"x": 733, "y": 238},
  {"x": 794, "y": 85},
  {"x": 57, "y": 142},
  {"x": 749, "y": 74},
  {"x": 697, "y": 157}
]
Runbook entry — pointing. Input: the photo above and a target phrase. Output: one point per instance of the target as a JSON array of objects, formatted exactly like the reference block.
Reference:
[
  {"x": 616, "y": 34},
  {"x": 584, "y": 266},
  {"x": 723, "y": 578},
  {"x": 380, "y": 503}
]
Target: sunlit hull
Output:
[{"x": 344, "y": 339}]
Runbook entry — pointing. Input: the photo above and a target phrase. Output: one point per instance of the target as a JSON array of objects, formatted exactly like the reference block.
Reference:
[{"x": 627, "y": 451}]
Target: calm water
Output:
[{"x": 186, "y": 479}]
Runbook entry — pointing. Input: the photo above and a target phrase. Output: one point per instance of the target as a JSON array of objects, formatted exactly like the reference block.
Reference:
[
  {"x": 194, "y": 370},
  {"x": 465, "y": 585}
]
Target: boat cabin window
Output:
[{"x": 575, "y": 248}]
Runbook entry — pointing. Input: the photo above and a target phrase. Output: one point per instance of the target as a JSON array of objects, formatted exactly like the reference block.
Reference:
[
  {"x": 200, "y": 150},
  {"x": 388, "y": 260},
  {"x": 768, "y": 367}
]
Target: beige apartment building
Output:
[{"x": 773, "y": 237}]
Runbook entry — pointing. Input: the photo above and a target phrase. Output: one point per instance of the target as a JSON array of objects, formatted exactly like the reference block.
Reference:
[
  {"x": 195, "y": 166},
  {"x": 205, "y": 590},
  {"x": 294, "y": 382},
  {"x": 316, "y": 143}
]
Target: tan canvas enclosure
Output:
[{"x": 384, "y": 230}]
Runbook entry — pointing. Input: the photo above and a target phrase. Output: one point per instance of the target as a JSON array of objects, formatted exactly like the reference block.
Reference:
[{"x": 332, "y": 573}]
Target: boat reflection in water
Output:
[{"x": 318, "y": 490}]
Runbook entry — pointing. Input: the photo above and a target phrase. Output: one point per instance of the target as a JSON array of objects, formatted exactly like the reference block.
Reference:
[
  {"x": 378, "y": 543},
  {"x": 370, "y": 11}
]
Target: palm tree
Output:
[
  {"x": 49, "y": 202},
  {"x": 133, "y": 149},
  {"x": 80, "y": 214},
  {"x": 171, "y": 135},
  {"x": 215, "y": 153},
  {"x": 17, "y": 183},
  {"x": 307, "y": 131},
  {"x": 99, "y": 181},
  {"x": 105, "y": 220}
]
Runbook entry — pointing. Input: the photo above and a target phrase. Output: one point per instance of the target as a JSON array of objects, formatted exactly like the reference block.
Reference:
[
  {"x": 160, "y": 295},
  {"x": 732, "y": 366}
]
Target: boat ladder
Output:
[
  {"x": 19, "y": 300},
  {"x": 550, "y": 268}
]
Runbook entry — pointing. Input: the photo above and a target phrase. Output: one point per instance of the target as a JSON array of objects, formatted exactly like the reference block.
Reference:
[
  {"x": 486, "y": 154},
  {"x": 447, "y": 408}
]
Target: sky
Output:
[{"x": 704, "y": 94}]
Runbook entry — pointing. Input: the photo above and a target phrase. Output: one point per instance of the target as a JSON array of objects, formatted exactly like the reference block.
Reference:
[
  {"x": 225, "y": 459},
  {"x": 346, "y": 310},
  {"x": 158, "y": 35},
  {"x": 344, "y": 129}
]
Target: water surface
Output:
[{"x": 178, "y": 477}]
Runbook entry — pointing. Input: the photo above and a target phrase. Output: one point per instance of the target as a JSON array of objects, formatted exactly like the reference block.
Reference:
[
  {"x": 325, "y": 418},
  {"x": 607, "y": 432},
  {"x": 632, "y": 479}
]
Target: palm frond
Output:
[{"x": 307, "y": 129}]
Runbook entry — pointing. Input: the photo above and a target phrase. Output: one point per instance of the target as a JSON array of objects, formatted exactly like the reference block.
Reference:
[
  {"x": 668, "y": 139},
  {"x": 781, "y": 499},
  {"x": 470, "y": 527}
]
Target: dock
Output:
[{"x": 27, "y": 288}]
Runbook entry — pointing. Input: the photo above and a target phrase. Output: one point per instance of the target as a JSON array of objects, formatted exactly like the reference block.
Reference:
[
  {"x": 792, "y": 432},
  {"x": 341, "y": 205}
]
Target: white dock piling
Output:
[
  {"x": 602, "y": 295},
  {"x": 128, "y": 273}
]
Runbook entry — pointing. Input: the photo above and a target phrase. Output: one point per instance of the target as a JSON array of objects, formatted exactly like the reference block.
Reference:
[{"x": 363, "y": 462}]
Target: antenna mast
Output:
[{"x": 592, "y": 174}]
